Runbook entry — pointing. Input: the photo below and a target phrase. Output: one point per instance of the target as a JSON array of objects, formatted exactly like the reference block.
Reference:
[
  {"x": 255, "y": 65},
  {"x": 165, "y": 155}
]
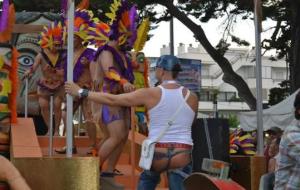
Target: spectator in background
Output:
[
  {"x": 267, "y": 180},
  {"x": 10, "y": 175},
  {"x": 272, "y": 133},
  {"x": 288, "y": 172}
]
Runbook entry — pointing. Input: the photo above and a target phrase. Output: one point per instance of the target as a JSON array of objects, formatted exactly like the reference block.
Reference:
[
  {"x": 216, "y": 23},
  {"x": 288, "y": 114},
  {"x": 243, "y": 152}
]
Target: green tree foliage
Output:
[
  {"x": 278, "y": 94},
  {"x": 233, "y": 121}
]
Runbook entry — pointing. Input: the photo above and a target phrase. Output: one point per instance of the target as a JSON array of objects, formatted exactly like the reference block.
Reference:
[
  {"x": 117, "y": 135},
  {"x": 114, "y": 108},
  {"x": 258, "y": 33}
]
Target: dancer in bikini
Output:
[
  {"x": 112, "y": 73},
  {"x": 81, "y": 73},
  {"x": 51, "y": 61}
]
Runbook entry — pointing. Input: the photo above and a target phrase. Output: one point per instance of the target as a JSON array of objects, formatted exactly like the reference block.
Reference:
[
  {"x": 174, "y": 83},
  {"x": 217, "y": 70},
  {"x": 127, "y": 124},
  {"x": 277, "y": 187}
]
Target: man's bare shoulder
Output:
[
  {"x": 194, "y": 97},
  {"x": 149, "y": 96},
  {"x": 150, "y": 91}
]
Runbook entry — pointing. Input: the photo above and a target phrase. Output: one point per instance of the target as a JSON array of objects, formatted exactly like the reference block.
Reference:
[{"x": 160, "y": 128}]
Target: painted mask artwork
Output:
[{"x": 8, "y": 84}]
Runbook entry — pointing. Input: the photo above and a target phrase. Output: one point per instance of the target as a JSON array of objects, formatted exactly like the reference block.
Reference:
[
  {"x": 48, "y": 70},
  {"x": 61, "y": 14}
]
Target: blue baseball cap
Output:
[{"x": 168, "y": 63}]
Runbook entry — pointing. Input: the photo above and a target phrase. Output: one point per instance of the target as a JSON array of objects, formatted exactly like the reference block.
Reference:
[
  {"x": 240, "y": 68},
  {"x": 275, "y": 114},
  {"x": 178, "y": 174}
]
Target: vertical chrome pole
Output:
[
  {"x": 80, "y": 120},
  {"x": 259, "y": 108},
  {"x": 26, "y": 98},
  {"x": 51, "y": 127},
  {"x": 71, "y": 10},
  {"x": 172, "y": 36}
]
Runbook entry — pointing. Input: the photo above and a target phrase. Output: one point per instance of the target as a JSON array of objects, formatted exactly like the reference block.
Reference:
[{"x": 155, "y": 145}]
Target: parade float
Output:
[{"x": 33, "y": 155}]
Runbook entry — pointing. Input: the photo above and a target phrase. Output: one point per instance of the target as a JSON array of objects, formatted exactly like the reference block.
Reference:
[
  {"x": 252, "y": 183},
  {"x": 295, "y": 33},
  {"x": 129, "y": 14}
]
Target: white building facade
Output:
[{"x": 243, "y": 62}]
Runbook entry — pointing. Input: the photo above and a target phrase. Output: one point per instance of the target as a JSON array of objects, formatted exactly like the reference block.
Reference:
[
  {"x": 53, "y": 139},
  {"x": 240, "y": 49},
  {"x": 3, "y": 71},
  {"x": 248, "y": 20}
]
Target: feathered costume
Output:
[
  {"x": 82, "y": 22},
  {"x": 8, "y": 67},
  {"x": 52, "y": 66},
  {"x": 242, "y": 143},
  {"x": 9, "y": 87},
  {"x": 121, "y": 28},
  {"x": 141, "y": 71},
  {"x": 7, "y": 21}
]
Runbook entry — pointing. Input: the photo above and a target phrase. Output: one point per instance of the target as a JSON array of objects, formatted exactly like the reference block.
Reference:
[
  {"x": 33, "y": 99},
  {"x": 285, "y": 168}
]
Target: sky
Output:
[{"x": 213, "y": 30}]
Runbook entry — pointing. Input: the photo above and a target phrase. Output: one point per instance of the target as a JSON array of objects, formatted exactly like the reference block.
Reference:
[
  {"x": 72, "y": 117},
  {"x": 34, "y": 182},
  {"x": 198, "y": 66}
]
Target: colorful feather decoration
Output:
[
  {"x": 6, "y": 28},
  {"x": 13, "y": 76},
  {"x": 113, "y": 11},
  {"x": 4, "y": 15},
  {"x": 242, "y": 142},
  {"x": 54, "y": 34},
  {"x": 142, "y": 35},
  {"x": 84, "y": 4},
  {"x": 64, "y": 8}
]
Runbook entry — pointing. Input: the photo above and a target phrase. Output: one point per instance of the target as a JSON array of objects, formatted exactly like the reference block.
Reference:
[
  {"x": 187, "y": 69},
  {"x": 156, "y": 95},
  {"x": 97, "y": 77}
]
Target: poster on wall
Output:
[{"x": 190, "y": 76}]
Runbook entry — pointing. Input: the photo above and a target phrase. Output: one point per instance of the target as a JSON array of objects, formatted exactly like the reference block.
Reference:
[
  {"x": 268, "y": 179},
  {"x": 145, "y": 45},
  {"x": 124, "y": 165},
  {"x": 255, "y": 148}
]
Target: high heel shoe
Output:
[{"x": 63, "y": 150}]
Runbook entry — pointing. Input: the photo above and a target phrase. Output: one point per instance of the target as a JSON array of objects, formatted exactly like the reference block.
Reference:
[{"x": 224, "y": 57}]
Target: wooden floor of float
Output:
[{"x": 26, "y": 145}]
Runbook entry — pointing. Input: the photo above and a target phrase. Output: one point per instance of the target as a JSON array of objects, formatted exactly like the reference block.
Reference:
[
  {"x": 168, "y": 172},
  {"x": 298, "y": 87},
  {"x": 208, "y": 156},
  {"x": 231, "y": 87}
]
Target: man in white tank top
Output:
[{"x": 173, "y": 150}]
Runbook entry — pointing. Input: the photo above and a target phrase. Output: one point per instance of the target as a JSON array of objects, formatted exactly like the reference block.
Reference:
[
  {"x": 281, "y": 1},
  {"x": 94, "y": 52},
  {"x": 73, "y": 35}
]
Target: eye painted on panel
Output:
[{"x": 26, "y": 57}]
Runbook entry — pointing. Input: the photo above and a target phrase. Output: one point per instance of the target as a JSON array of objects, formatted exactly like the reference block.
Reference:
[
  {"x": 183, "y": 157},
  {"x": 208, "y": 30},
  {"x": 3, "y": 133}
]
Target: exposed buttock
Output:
[{"x": 170, "y": 158}]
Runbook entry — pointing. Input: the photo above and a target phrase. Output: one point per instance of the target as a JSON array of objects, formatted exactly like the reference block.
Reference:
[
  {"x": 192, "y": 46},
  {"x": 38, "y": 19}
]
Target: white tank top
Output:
[{"x": 181, "y": 130}]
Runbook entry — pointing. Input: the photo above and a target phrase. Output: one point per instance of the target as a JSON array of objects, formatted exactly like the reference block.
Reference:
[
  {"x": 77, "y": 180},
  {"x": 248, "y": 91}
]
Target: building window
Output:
[
  {"x": 205, "y": 72},
  {"x": 279, "y": 75},
  {"x": 204, "y": 96},
  {"x": 226, "y": 96},
  {"x": 266, "y": 72},
  {"x": 250, "y": 72}
]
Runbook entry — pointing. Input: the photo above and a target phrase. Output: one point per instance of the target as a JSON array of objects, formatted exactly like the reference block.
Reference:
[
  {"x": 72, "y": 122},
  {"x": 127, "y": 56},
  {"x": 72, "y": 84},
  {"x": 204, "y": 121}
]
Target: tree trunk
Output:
[
  {"x": 229, "y": 76},
  {"x": 295, "y": 46}
]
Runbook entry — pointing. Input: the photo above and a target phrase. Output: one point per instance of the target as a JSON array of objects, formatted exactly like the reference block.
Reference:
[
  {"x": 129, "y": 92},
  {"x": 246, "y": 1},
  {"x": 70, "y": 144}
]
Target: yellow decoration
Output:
[
  {"x": 1, "y": 61},
  {"x": 113, "y": 10},
  {"x": 142, "y": 34}
]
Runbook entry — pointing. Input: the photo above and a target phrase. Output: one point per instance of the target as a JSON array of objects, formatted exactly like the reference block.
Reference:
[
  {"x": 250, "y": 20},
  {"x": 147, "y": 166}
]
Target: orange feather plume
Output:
[
  {"x": 78, "y": 22},
  {"x": 125, "y": 19},
  {"x": 13, "y": 76},
  {"x": 6, "y": 34},
  {"x": 84, "y": 4}
]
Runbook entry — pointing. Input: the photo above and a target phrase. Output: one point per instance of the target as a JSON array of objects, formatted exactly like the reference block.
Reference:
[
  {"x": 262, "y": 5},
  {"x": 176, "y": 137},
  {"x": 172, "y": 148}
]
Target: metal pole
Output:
[
  {"x": 259, "y": 108},
  {"x": 26, "y": 97},
  {"x": 51, "y": 127},
  {"x": 172, "y": 36},
  {"x": 71, "y": 9},
  {"x": 80, "y": 120},
  {"x": 133, "y": 164}
]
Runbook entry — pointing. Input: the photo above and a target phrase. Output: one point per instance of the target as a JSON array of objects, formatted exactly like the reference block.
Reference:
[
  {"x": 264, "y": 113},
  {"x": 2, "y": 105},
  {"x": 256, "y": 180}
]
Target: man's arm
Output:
[
  {"x": 11, "y": 175},
  {"x": 293, "y": 139},
  {"x": 193, "y": 102},
  {"x": 136, "y": 98}
]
